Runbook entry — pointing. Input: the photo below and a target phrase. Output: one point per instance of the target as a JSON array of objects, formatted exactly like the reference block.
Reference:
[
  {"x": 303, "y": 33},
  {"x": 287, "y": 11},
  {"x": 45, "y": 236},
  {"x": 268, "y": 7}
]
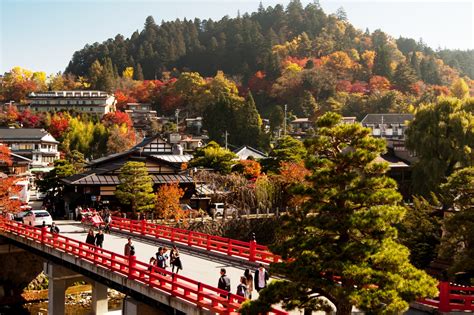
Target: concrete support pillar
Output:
[
  {"x": 56, "y": 296},
  {"x": 134, "y": 307},
  {"x": 99, "y": 298}
]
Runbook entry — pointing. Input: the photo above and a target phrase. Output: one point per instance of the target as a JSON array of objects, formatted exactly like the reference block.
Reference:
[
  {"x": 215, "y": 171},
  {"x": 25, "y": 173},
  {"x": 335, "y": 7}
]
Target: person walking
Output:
[
  {"x": 224, "y": 282},
  {"x": 99, "y": 238},
  {"x": 261, "y": 278},
  {"x": 129, "y": 249},
  {"x": 107, "y": 220},
  {"x": 249, "y": 281},
  {"x": 152, "y": 263},
  {"x": 175, "y": 260},
  {"x": 242, "y": 289},
  {"x": 90, "y": 239},
  {"x": 161, "y": 260},
  {"x": 54, "y": 229}
]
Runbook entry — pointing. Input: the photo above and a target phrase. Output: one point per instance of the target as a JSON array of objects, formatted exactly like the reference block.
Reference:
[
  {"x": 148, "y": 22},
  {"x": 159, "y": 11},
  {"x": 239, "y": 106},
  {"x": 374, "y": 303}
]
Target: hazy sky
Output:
[{"x": 43, "y": 34}]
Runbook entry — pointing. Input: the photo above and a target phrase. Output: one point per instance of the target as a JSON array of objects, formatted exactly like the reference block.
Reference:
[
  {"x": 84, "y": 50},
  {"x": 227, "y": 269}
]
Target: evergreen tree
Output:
[
  {"x": 215, "y": 157},
  {"x": 138, "y": 74},
  {"x": 404, "y": 77},
  {"x": 429, "y": 71},
  {"x": 382, "y": 62},
  {"x": 415, "y": 64},
  {"x": 276, "y": 118},
  {"x": 136, "y": 187},
  {"x": 342, "y": 243}
]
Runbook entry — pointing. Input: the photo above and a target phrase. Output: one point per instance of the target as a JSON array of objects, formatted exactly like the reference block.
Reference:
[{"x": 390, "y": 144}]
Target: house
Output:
[
  {"x": 388, "y": 126},
  {"x": 244, "y": 152},
  {"x": 194, "y": 125},
  {"x": 33, "y": 144},
  {"x": 92, "y": 102},
  {"x": 19, "y": 167},
  {"x": 97, "y": 185},
  {"x": 141, "y": 115},
  {"x": 301, "y": 125}
]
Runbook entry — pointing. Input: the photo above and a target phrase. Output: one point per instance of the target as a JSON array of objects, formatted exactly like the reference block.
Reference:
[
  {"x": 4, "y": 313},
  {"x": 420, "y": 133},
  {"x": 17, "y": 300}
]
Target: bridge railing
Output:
[
  {"x": 452, "y": 297},
  {"x": 202, "y": 295},
  {"x": 246, "y": 250}
]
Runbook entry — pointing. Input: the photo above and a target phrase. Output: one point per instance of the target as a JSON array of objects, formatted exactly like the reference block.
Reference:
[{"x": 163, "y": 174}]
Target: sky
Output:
[{"x": 42, "y": 35}]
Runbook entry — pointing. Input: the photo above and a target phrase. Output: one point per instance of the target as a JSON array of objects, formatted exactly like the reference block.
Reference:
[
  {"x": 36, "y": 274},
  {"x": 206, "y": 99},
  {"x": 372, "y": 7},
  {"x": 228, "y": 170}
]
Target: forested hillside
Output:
[{"x": 235, "y": 71}]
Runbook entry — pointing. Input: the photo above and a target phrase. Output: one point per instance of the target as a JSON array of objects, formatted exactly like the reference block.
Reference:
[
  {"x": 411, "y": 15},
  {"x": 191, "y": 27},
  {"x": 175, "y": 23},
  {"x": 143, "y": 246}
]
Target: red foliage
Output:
[
  {"x": 379, "y": 83},
  {"x": 59, "y": 125},
  {"x": 359, "y": 87},
  {"x": 440, "y": 90},
  {"x": 344, "y": 86},
  {"x": 28, "y": 119},
  {"x": 7, "y": 188},
  {"x": 5, "y": 154},
  {"x": 117, "y": 118},
  {"x": 258, "y": 82},
  {"x": 123, "y": 98}
]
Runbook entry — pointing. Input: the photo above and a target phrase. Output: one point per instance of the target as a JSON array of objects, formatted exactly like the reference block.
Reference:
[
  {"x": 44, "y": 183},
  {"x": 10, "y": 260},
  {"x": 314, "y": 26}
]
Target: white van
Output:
[{"x": 217, "y": 209}]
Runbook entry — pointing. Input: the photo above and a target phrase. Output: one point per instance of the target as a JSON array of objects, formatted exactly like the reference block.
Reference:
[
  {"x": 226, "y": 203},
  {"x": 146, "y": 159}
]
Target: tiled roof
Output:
[
  {"x": 372, "y": 119},
  {"x": 22, "y": 133},
  {"x": 96, "y": 179}
]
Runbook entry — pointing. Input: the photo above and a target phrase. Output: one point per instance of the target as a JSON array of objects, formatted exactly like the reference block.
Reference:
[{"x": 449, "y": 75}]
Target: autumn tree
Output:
[
  {"x": 342, "y": 244},
  {"x": 7, "y": 184},
  {"x": 136, "y": 187},
  {"x": 168, "y": 201},
  {"x": 287, "y": 149},
  {"x": 460, "y": 89},
  {"x": 442, "y": 136}
]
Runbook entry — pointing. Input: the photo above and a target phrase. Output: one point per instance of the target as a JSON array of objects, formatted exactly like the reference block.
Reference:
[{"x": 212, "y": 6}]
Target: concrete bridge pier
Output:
[
  {"x": 134, "y": 307},
  {"x": 99, "y": 298}
]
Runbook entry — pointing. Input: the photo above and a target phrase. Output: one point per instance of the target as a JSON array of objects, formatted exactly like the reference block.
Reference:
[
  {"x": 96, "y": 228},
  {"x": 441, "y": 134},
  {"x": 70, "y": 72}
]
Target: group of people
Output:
[
  {"x": 161, "y": 260},
  {"x": 95, "y": 240},
  {"x": 247, "y": 282}
]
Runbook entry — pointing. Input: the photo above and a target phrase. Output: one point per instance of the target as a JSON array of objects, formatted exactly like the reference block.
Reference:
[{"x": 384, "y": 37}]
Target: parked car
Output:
[
  {"x": 217, "y": 209},
  {"x": 19, "y": 216},
  {"x": 37, "y": 217}
]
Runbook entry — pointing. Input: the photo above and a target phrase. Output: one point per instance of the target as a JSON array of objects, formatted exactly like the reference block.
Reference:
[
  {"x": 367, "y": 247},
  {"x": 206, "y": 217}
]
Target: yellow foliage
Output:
[{"x": 128, "y": 73}]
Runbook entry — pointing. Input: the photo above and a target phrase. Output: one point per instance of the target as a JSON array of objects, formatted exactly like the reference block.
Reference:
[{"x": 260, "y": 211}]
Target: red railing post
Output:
[
  {"x": 143, "y": 222},
  {"x": 190, "y": 235},
  {"x": 208, "y": 242},
  {"x": 444, "y": 296},
  {"x": 172, "y": 235},
  {"x": 130, "y": 225},
  {"x": 229, "y": 247},
  {"x": 43, "y": 234},
  {"x": 131, "y": 266},
  {"x": 253, "y": 248}
]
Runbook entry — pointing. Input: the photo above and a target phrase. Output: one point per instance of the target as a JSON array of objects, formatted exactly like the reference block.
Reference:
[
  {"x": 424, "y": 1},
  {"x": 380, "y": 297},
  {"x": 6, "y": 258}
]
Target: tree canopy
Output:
[
  {"x": 342, "y": 243},
  {"x": 215, "y": 157}
]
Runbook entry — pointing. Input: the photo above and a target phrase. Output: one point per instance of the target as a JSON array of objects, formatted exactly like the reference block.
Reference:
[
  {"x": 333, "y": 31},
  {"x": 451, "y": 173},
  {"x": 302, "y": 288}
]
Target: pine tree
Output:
[
  {"x": 136, "y": 187},
  {"x": 404, "y": 77},
  {"x": 342, "y": 243},
  {"x": 138, "y": 74},
  {"x": 382, "y": 62}
]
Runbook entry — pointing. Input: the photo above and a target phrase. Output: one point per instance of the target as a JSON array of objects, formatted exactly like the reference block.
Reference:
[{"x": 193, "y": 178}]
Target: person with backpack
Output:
[
  {"x": 242, "y": 289},
  {"x": 249, "y": 278}
]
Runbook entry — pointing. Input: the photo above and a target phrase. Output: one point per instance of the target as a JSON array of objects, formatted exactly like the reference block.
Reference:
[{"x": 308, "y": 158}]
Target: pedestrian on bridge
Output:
[
  {"x": 129, "y": 250},
  {"x": 242, "y": 288},
  {"x": 175, "y": 260},
  {"x": 249, "y": 278},
  {"x": 261, "y": 278},
  {"x": 224, "y": 282},
  {"x": 99, "y": 238},
  {"x": 53, "y": 229},
  {"x": 90, "y": 239}
]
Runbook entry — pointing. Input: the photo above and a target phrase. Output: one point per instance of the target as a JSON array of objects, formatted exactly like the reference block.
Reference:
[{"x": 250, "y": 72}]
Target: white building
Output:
[
  {"x": 92, "y": 102},
  {"x": 35, "y": 144}
]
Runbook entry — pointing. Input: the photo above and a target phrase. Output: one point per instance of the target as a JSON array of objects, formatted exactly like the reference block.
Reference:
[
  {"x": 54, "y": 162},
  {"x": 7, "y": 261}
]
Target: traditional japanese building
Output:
[{"x": 98, "y": 183}]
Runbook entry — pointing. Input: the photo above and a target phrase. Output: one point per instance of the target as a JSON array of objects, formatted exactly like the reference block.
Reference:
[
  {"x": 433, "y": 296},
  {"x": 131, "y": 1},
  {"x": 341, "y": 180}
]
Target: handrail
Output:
[
  {"x": 452, "y": 297},
  {"x": 247, "y": 250},
  {"x": 203, "y": 295}
]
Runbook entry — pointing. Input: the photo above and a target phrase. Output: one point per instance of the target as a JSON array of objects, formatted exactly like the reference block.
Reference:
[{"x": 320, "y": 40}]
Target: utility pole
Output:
[
  {"x": 226, "y": 134},
  {"x": 284, "y": 122},
  {"x": 177, "y": 119}
]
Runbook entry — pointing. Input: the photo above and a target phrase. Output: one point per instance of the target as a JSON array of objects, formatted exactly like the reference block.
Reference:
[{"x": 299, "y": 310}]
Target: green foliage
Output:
[
  {"x": 215, "y": 157},
  {"x": 51, "y": 182},
  {"x": 136, "y": 187},
  {"x": 287, "y": 149},
  {"x": 458, "y": 242},
  {"x": 345, "y": 228},
  {"x": 442, "y": 135},
  {"x": 420, "y": 231}
]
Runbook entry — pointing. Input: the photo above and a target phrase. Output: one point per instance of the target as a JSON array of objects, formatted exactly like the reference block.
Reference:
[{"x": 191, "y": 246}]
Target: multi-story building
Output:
[
  {"x": 388, "y": 126},
  {"x": 34, "y": 144},
  {"x": 141, "y": 115},
  {"x": 92, "y": 102}
]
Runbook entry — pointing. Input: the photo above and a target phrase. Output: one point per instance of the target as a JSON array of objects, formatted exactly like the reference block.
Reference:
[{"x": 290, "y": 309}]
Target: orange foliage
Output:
[
  {"x": 117, "y": 118},
  {"x": 59, "y": 125},
  {"x": 291, "y": 172},
  {"x": 167, "y": 202},
  {"x": 379, "y": 83},
  {"x": 258, "y": 82},
  {"x": 344, "y": 86},
  {"x": 5, "y": 155},
  {"x": 251, "y": 168},
  {"x": 439, "y": 90},
  {"x": 123, "y": 98},
  {"x": 7, "y": 185},
  {"x": 338, "y": 61}
]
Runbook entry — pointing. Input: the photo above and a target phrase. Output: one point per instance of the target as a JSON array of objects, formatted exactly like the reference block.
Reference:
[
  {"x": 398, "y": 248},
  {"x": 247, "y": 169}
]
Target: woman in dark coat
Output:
[
  {"x": 90, "y": 239},
  {"x": 99, "y": 239},
  {"x": 175, "y": 260}
]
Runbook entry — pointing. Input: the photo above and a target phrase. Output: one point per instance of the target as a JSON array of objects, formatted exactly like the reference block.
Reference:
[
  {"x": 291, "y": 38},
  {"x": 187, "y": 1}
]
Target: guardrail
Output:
[
  {"x": 452, "y": 297},
  {"x": 200, "y": 294},
  {"x": 246, "y": 250}
]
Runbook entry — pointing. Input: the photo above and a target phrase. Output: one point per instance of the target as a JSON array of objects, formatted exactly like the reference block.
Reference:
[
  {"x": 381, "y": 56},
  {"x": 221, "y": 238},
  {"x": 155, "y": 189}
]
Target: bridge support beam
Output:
[
  {"x": 134, "y": 307},
  {"x": 99, "y": 298},
  {"x": 59, "y": 279}
]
